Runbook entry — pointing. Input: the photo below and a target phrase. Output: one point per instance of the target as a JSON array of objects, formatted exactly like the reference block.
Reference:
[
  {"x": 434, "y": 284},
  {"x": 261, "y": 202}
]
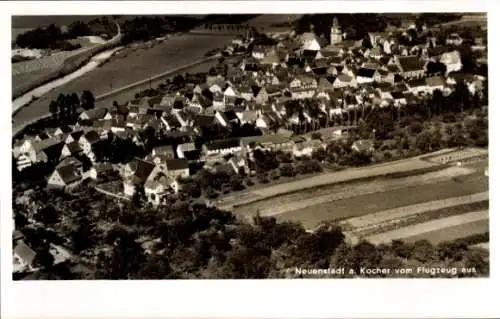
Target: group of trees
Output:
[
  {"x": 50, "y": 37},
  {"x": 191, "y": 240},
  {"x": 66, "y": 106},
  {"x": 56, "y": 37},
  {"x": 146, "y": 28}
]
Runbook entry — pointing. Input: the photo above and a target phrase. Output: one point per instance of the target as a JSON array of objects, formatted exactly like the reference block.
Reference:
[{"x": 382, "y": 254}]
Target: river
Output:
[{"x": 94, "y": 62}]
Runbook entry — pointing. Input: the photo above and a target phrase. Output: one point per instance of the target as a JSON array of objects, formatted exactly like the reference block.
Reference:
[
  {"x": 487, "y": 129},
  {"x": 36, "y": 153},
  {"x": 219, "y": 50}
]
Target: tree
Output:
[
  {"x": 423, "y": 251},
  {"x": 53, "y": 108},
  {"x": 87, "y": 100},
  {"x": 74, "y": 104},
  {"x": 44, "y": 258},
  {"x": 48, "y": 215}
]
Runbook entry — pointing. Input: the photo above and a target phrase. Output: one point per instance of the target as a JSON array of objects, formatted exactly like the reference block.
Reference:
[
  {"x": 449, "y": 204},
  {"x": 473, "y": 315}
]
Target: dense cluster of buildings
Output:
[{"x": 339, "y": 74}]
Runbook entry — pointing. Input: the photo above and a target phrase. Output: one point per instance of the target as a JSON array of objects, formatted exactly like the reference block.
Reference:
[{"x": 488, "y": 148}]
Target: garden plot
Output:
[{"x": 444, "y": 229}]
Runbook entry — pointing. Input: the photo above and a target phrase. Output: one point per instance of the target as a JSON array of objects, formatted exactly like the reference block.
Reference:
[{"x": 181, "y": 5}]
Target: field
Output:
[
  {"x": 17, "y": 31},
  {"x": 328, "y": 194},
  {"x": 347, "y": 175},
  {"x": 445, "y": 229},
  {"x": 376, "y": 202},
  {"x": 271, "y": 22},
  {"x": 135, "y": 66},
  {"x": 48, "y": 62}
]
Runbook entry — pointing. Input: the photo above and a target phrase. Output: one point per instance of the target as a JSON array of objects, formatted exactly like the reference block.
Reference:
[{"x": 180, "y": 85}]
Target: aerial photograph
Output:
[{"x": 250, "y": 146}]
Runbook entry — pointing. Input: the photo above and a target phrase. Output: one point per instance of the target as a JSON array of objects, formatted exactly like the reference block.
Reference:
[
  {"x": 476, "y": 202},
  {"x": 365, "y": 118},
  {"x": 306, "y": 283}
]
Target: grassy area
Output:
[
  {"x": 70, "y": 64},
  {"x": 453, "y": 232},
  {"x": 375, "y": 202}
]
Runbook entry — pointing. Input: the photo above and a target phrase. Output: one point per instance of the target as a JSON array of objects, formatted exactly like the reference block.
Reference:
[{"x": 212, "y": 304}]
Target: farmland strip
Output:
[{"x": 427, "y": 227}]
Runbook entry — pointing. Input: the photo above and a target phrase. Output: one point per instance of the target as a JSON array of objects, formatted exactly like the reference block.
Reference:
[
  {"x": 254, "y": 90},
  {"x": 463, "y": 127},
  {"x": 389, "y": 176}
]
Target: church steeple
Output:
[{"x": 335, "y": 32}]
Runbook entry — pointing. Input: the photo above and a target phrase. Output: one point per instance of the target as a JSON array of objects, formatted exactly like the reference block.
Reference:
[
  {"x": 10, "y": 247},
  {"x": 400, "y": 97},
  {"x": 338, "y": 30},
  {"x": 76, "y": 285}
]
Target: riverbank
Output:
[
  {"x": 127, "y": 93},
  {"x": 127, "y": 68},
  {"x": 70, "y": 65}
]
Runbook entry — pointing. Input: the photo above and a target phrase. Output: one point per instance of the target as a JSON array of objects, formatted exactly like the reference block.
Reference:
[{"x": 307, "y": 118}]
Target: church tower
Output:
[{"x": 335, "y": 32}]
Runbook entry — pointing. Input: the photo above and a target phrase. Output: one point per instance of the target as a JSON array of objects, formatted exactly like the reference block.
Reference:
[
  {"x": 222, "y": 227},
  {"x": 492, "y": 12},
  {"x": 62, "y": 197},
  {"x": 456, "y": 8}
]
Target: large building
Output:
[{"x": 335, "y": 32}]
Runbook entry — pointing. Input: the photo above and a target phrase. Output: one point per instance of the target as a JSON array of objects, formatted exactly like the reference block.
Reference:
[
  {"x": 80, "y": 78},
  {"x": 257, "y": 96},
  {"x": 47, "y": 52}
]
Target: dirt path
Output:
[{"x": 431, "y": 226}]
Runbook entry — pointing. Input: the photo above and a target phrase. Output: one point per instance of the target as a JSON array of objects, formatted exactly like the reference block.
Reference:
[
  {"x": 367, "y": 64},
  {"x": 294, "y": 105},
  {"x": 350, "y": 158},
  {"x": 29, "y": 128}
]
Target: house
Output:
[
  {"x": 87, "y": 142},
  {"x": 223, "y": 147},
  {"x": 95, "y": 114},
  {"x": 410, "y": 67},
  {"x": 165, "y": 150},
  {"x": 454, "y": 39},
  {"x": 226, "y": 118},
  {"x": 306, "y": 148},
  {"x": 303, "y": 81},
  {"x": 63, "y": 130},
  {"x": 343, "y": 81},
  {"x": 136, "y": 173},
  {"x": 249, "y": 117},
  {"x": 435, "y": 83},
  {"x": 178, "y": 167},
  {"x": 260, "y": 94},
  {"x": 452, "y": 61},
  {"x": 66, "y": 176},
  {"x": 312, "y": 42},
  {"x": 363, "y": 146},
  {"x": 268, "y": 142},
  {"x": 71, "y": 149},
  {"x": 23, "y": 258},
  {"x": 73, "y": 136},
  {"x": 398, "y": 98},
  {"x": 31, "y": 152},
  {"x": 259, "y": 51},
  {"x": 157, "y": 187},
  {"x": 230, "y": 95},
  {"x": 302, "y": 93},
  {"x": 366, "y": 75},
  {"x": 239, "y": 164},
  {"x": 417, "y": 86},
  {"x": 186, "y": 147},
  {"x": 170, "y": 122}
]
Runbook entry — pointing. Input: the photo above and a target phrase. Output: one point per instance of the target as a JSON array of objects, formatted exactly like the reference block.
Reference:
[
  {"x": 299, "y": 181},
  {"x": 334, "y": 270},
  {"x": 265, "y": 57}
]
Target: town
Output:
[{"x": 144, "y": 189}]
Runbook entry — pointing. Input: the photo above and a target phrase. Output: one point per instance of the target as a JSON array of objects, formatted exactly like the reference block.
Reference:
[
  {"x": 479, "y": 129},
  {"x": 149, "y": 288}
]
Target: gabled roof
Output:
[
  {"x": 92, "y": 137},
  {"x": 230, "y": 115},
  {"x": 344, "y": 78},
  {"x": 223, "y": 144},
  {"x": 96, "y": 113},
  {"x": 74, "y": 147},
  {"x": 142, "y": 169},
  {"x": 65, "y": 129},
  {"x": 47, "y": 143},
  {"x": 434, "y": 81},
  {"x": 185, "y": 147},
  {"x": 69, "y": 173},
  {"x": 203, "y": 120},
  {"x": 411, "y": 63},
  {"x": 397, "y": 95},
  {"x": 76, "y": 135},
  {"x": 416, "y": 83},
  {"x": 177, "y": 164},
  {"x": 24, "y": 252},
  {"x": 164, "y": 150},
  {"x": 366, "y": 73}
]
